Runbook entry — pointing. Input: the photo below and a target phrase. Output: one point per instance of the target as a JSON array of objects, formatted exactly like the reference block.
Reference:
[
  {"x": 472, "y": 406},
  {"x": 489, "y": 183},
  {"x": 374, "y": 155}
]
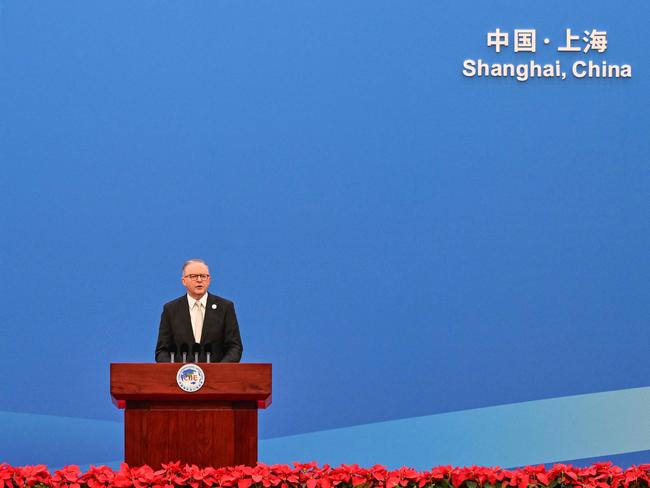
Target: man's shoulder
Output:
[
  {"x": 217, "y": 299},
  {"x": 182, "y": 300},
  {"x": 176, "y": 302}
]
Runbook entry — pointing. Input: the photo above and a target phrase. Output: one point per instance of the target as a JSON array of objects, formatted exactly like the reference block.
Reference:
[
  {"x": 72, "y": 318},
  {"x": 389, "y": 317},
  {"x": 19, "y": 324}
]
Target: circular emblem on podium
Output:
[{"x": 190, "y": 377}]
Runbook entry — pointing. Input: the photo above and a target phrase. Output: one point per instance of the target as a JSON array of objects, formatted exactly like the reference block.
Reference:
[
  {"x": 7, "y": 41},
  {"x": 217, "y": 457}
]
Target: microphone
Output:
[
  {"x": 208, "y": 352},
  {"x": 184, "y": 349},
  {"x": 172, "y": 351},
  {"x": 196, "y": 349}
]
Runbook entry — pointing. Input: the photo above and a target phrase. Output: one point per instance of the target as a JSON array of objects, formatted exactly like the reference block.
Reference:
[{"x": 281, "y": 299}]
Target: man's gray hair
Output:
[{"x": 190, "y": 261}]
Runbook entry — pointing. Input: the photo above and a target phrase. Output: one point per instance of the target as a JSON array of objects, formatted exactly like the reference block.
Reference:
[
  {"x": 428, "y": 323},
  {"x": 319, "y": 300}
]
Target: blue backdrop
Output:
[{"x": 401, "y": 242}]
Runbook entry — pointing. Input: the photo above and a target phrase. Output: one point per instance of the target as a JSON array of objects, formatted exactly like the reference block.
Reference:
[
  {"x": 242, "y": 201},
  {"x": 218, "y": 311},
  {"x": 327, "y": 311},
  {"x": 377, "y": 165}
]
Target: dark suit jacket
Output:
[{"x": 220, "y": 329}]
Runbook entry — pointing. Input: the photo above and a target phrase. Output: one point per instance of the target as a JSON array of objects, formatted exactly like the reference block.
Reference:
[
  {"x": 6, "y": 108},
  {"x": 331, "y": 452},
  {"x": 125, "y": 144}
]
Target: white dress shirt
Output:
[{"x": 203, "y": 301}]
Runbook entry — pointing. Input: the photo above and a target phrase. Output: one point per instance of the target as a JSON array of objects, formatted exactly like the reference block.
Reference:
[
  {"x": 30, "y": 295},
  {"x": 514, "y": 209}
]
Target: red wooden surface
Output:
[
  {"x": 215, "y": 426},
  {"x": 223, "y": 381}
]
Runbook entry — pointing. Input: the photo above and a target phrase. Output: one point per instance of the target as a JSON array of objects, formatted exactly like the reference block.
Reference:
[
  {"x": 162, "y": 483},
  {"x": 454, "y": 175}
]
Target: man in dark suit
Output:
[{"x": 199, "y": 317}]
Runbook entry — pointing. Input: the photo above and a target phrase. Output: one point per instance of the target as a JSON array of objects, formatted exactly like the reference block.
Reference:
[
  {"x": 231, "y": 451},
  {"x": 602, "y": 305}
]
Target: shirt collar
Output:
[{"x": 203, "y": 300}]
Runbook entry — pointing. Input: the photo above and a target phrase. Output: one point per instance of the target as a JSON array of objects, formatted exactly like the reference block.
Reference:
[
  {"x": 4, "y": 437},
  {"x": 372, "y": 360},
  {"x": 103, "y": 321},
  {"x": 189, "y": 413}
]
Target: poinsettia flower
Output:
[
  {"x": 31, "y": 475},
  {"x": 310, "y": 475},
  {"x": 68, "y": 477},
  {"x": 6, "y": 476}
]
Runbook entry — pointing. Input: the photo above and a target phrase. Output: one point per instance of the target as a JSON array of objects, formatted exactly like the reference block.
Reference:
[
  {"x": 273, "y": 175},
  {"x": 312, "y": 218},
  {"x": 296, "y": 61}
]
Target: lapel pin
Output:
[{"x": 214, "y": 306}]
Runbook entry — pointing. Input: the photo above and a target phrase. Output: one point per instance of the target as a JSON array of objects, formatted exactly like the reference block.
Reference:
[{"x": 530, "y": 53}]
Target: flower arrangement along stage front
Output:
[{"x": 173, "y": 475}]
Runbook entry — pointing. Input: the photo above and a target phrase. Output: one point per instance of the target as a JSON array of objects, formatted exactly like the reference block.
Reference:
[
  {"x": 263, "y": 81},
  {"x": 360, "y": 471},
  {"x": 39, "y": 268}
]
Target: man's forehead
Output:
[{"x": 196, "y": 268}]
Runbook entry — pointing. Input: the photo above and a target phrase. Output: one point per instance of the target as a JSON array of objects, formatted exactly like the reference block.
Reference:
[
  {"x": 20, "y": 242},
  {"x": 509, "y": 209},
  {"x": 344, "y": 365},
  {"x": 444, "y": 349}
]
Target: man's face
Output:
[{"x": 193, "y": 279}]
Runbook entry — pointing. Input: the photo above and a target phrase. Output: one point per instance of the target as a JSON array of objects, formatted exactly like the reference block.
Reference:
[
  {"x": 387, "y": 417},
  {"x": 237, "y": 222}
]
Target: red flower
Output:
[
  {"x": 31, "y": 475},
  {"x": 67, "y": 477},
  {"x": 6, "y": 476},
  {"x": 310, "y": 475}
]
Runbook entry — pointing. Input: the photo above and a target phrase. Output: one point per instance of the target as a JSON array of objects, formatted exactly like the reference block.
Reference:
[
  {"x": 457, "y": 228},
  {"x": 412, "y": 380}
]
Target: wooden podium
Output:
[{"x": 214, "y": 426}]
